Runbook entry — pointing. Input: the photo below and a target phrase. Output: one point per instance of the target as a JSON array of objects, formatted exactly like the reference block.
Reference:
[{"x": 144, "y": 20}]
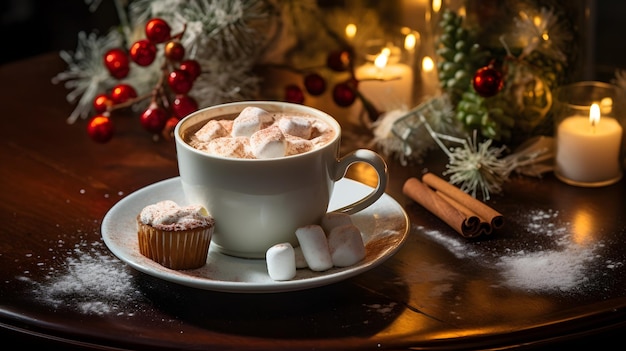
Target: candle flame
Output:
[
  {"x": 428, "y": 64},
  {"x": 350, "y": 30},
  {"x": 436, "y": 5},
  {"x": 409, "y": 41},
  {"x": 381, "y": 59},
  {"x": 594, "y": 114}
]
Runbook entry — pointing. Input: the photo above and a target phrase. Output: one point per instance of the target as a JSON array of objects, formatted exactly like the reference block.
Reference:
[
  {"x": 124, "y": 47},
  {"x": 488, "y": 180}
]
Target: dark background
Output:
[{"x": 32, "y": 27}]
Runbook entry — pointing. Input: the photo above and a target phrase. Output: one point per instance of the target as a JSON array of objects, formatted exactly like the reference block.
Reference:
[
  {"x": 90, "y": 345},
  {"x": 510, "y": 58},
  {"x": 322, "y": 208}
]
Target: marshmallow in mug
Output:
[
  {"x": 258, "y": 203},
  {"x": 256, "y": 133}
]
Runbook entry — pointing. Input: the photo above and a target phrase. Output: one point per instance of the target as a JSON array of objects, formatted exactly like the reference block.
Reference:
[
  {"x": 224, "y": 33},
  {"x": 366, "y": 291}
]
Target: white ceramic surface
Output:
[
  {"x": 258, "y": 203},
  {"x": 384, "y": 225}
]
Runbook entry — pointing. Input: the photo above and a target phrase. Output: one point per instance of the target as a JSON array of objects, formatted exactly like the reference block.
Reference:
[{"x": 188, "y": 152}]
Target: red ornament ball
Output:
[
  {"x": 122, "y": 93},
  {"x": 158, "y": 30},
  {"x": 315, "y": 84},
  {"x": 100, "y": 128},
  {"x": 192, "y": 67},
  {"x": 179, "y": 81},
  {"x": 143, "y": 52},
  {"x": 174, "y": 50},
  {"x": 184, "y": 105},
  {"x": 168, "y": 130},
  {"x": 153, "y": 119},
  {"x": 487, "y": 81},
  {"x": 344, "y": 93},
  {"x": 117, "y": 63},
  {"x": 294, "y": 94},
  {"x": 338, "y": 61},
  {"x": 101, "y": 102}
]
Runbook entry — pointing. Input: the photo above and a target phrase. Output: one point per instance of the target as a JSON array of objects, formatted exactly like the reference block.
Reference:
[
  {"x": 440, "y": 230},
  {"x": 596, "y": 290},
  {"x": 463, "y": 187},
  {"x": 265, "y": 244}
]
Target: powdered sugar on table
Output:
[
  {"x": 561, "y": 264},
  {"x": 91, "y": 281}
]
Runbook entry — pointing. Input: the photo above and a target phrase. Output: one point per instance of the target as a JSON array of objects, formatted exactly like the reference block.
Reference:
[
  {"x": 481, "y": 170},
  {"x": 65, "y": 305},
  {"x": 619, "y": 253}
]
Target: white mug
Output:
[{"x": 257, "y": 203}]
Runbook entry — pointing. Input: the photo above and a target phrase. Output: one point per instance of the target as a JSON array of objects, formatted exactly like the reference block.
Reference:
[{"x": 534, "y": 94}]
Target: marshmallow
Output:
[
  {"x": 281, "y": 262},
  {"x": 213, "y": 129},
  {"x": 322, "y": 134},
  {"x": 250, "y": 120},
  {"x": 334, "y": 219},
  {"x": 229, "y": 147},
  {"x": 297, "y": 126},
  {"x": 268, "y": 143},
  {"x": 315, "y": 249},
  {"x": 297, "y": 145},
  {"x": 346, "y": 245},
  {"x": 300, "y": 260}
]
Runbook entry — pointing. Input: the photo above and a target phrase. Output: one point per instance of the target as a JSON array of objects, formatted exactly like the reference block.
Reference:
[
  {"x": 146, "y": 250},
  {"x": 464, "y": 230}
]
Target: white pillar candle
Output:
[
  {"x": 588, "y": 148},
  {"x": 387, "y": 85}
]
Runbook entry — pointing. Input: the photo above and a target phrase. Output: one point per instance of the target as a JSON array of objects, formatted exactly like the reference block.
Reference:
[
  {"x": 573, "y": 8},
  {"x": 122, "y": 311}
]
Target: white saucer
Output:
[{"x": 384, "y": 225}]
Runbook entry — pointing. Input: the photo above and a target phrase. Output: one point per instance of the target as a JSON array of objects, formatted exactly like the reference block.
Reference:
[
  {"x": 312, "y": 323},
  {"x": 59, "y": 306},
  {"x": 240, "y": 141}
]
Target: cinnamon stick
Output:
[
  {"x": 468, "y": 217},
  {"x": 479, "y": 226},
  {"x": 486, "y": 213},
  {"x": 427, "y": 197}
]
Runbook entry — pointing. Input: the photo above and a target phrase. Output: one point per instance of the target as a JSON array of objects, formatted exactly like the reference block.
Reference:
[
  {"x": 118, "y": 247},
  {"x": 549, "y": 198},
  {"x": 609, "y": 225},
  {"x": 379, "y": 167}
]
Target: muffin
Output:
[{"x": 176, "y": 237}]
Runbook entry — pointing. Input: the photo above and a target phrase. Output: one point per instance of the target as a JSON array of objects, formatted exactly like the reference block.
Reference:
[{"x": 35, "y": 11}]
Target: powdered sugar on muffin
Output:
[
  {"x": 168, "y": 215},
  {"x": 176, "y": 237}
]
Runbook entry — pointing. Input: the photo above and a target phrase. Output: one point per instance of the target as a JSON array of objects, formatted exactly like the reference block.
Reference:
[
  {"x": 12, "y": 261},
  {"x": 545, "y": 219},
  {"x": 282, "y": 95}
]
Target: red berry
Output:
[
  {"x": 192, "y": 67},
  {"x": 314, "y": 84},
  {"x": 168, "y": 130},
  {"x": 100, "y": 128},
  {"x": 122, "y": 93},
  {"x": 174, "y": 50},
  {"x": 143, "y": 52},
  {"x": 487, "y": 81},
  {"x": 101, "y": 102},
  {"x": 184, "y": 105},
  {"x": 153, "y": 119},
  {"x": 338, "y": 61},
  {"x": 344, "y": 94},
  {"x": 117, "y": 63},
  {"x": 157, "y": 30},
  {"x": 179, "y": 81},
  {"x": 294, "y": 94}
]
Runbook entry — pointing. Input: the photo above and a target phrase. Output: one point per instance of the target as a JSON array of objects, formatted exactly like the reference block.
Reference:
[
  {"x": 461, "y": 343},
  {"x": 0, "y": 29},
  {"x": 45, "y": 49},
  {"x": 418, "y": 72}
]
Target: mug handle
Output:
[{"x": 373, "y": 159}]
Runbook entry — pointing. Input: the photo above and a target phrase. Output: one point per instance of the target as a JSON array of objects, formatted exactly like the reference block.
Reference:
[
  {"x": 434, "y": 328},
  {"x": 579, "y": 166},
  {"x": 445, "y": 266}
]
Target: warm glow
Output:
[
  {"x": 594, "y": 114},
  {"x": 462, "y": 12},
  {"x": 582, "y": 226},
  {"x": 606, "y": 106},
  {"x": 364, "y": 173},
  {"x": 381, "y": 59},
  {"x": 409, "y": 41},
  {"x": 436, "y": 5},
  {"x": 427, "y": 64},
  {"x": 350, "y": 30},
  {"x": 537, "y": 23}
]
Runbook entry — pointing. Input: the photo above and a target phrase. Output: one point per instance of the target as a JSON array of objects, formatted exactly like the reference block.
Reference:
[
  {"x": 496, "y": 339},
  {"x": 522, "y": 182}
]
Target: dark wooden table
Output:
[{"x": 554, "y": 276}]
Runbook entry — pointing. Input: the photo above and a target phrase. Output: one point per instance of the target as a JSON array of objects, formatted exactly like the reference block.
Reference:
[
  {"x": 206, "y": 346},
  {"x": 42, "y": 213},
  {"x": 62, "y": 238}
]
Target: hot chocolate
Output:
[
  {"x": 258, "y": 134},
  {"x": 285, "y": 180}
]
